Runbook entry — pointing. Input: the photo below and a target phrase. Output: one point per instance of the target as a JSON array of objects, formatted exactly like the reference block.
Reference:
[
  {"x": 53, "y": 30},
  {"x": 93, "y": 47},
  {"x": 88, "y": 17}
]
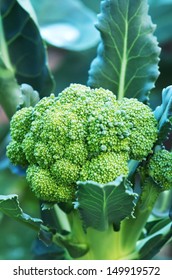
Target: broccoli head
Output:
[
  {"x": 160, "y": 168},
  {"x": 83, "y": 134}
]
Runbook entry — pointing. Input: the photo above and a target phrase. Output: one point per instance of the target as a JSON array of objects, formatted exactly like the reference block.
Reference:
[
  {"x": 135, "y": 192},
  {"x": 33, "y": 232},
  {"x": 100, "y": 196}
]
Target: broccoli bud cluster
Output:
[
  {"x": 83, "y": 134},
  {"x": 160, "y": 168}
]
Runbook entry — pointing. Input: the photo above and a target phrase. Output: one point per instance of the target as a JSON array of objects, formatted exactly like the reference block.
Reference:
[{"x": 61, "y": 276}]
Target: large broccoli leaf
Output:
[
  {"x": 101, "y": 205},
  {"x": 128, "y": 55},
  {"x": 9, "y": 205},
  {"x": 60, "y": 29},
  {"x": 52, "y": 252},
  {"x": 161, "y": 13},
  {"x": 22, "y": 48},
  {"x": 74, "y": 248},
  {"x": 10, "y": 94},
  {"x": 152, "y": 244}
]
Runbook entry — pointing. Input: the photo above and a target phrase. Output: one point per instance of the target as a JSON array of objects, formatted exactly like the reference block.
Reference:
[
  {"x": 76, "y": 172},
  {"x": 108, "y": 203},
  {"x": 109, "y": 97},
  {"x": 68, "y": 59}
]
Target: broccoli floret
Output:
[
  {"x": 160, "y": 168},
  {"x": 85, "y": 102},
  {"x": 72, "y": 93},
  {"x": 59, "y": 123},
  {"x": 85, "y": 95},
  {"x": 83, "y": 134},
  {"x": 28, "y": 145},
  {"x": 143, "y": 127},
  {"x": 20, "y": 123},
  {"x": 43, "y": 105},
  {"x": 42, "y": 155},
  {"x": 15, "y": 154},
  {"x": 46, "y": 188},
  {"x": 76, "y": 152},
  {"x": 64, "y": 171},
  {"x": 105, "y": 168},
  {"x": 56, "y": 149},
  {"x": 107, "y": 130}
]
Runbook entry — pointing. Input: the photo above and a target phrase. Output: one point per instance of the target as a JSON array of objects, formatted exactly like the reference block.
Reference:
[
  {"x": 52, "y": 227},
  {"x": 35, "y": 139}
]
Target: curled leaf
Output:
[
  {"x": 9, "y": 205},
  {"x": 163, "y": 114},
  {"x": 103, "y": 204}
]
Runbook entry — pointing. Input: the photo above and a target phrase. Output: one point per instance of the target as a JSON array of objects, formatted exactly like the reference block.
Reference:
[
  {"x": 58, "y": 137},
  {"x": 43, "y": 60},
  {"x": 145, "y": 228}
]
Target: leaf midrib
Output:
[
  {"x": 105, "y": 214},
  {"x": 123, "y": 63}
]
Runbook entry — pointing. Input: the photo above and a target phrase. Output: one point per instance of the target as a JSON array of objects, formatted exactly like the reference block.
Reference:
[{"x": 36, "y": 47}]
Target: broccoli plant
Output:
[{"x": 95, "y": 155}]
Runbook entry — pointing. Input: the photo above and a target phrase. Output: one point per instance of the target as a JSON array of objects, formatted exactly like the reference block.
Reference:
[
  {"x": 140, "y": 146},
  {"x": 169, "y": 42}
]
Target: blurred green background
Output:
[{"x": 70, "y": 51}]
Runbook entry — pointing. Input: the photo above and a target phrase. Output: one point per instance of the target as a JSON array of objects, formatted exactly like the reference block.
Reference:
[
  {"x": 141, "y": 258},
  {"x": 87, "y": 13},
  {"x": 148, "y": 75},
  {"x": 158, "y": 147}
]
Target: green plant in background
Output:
[{"x": 94, "y": 154}]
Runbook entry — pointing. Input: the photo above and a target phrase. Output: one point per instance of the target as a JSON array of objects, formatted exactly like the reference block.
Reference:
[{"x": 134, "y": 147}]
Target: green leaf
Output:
[
  {"x": 151, "y": 245},
  {"x": 163, "y": 114},
  {"x": 162, "y": 223},
  {"x": 162, "y": 205},
  {"x": 69, "y": 25},
  {"x": 74, "y": 248},
  {"x": 53, "y": 216},
  {"x": 103, "y": 204},
  {"x": 155, "y": 225},
  {"x": 161, "y": 13},
  {"x": 22, "y": 47},
  {"x": 170, "y": 212},
  {"x": 9, "y": 205},
  {"x": 127, "y": 58},
  {"x": 51, "y": 252},
  {"x": 10, "y": 93},
  {"x": 45, "y": 235}
]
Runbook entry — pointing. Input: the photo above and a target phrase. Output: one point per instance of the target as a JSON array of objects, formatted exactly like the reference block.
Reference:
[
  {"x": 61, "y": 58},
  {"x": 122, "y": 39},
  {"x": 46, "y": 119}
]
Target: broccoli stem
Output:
[
  {"x": 98, "y": 241},
  {"x": 76, "y": 226},
  {"x": 62, "y": 219},
  {"x": 131, "y": 228},
  {"x": 103, "y": 245},
  {"x": 111, "y": 245}
]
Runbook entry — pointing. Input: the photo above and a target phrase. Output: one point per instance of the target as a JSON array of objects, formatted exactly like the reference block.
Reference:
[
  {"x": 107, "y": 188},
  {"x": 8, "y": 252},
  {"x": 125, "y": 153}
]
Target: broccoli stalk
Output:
[
  {"x": 156, "y": 177},
  {"x": 132, "y": 228},
  {"x": 96, "y": 241}
]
